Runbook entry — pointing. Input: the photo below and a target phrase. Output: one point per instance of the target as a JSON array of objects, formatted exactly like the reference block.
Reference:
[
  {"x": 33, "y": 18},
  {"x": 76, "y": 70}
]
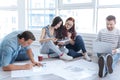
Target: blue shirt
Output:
[{"x": 9, "y": 48}]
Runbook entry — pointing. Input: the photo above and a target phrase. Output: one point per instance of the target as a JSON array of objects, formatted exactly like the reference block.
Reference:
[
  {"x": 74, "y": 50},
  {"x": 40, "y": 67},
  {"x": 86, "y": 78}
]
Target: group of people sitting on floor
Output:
[{"x": 59, "y": 41}]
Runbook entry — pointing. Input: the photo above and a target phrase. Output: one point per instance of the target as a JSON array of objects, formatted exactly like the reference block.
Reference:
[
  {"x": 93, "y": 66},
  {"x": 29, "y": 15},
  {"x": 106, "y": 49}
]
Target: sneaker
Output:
[
  {"x": 109, "y": 63},
  {"x": 102, "y": 68},
  {"x": 66, "y": 57},
  {"x": 87, "y": 57}
]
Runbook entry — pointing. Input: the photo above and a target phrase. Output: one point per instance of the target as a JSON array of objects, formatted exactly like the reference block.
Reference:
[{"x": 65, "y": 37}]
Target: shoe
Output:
[
  {"x": 87, "y": 57},
  {"x": 66, "y": 57},
  {"x": 102, "y": 68},
  {"x": 109, "y": 63}
]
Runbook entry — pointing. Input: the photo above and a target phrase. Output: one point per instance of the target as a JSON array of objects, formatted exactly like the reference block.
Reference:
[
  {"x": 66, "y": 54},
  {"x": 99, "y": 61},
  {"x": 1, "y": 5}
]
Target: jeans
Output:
[
  {"x": 53, "y": 50},
  {"x": 22, "y": 55},
  {"x": 74, "y": 54},
  {"x": 78, "y": 45},
  {"x": 115, "y": 59}
]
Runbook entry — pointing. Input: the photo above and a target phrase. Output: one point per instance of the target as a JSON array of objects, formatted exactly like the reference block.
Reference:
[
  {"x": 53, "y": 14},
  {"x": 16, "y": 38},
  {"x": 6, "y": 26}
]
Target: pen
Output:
[{"x": 43, "y": 64}]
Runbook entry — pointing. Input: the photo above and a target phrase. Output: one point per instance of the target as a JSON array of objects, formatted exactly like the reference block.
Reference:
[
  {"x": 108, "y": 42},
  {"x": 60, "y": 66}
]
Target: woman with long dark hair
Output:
[{"x": 49, "y": 37}]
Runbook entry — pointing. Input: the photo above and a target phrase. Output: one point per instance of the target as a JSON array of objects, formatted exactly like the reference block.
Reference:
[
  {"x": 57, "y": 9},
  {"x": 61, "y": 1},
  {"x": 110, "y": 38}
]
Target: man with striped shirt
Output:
[{"x": 110, "y": 34}]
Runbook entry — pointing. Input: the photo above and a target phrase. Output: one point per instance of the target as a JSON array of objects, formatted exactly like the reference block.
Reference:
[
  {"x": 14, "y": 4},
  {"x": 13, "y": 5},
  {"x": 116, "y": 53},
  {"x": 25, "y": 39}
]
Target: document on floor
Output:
[
  {"x": 48, "y": 67},
  {"x": 49, "y": 77},
  {"x": 78, "y": 70},
  {"x": 3, "y": 74}
]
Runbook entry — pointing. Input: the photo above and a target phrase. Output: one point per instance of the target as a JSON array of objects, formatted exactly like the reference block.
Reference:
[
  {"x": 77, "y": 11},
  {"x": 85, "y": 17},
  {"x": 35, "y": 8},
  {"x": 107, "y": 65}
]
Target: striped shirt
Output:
[{"x": 112, "y": 37}]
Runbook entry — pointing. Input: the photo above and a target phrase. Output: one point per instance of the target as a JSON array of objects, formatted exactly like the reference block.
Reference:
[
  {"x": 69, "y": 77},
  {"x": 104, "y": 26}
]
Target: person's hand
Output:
[
  {"x": 69, "y": 34},
  {"x": 114, "y": 51},
  {"x": 54, "y": 39},
  {"x": 61, "y": 43},
  {"x": 28, "y": 66},
  {"x": 37, "y": 64}
]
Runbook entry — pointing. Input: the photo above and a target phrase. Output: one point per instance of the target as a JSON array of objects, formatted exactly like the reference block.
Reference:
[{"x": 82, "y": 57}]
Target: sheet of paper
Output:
[
  {"x": 64, "y": 41},
  {"x": 21, "y": 73},
  {"x": 4, "y": 74},
  {"x": 78, "y": 70},
  {"x": 47, "y": 77},
  {"x": 48, "y": 68}
]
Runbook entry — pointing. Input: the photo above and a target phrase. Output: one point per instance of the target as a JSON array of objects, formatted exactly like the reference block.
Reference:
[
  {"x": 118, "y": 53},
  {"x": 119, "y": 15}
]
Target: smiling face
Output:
[
  {"x": 69, "y": 24},
  {"x": 110, "y": 24}
]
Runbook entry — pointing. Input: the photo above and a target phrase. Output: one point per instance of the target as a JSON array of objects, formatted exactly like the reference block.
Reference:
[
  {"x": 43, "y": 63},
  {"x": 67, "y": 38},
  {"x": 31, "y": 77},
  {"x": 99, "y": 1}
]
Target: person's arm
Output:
[
  {"x": 7, "y": 60},
  {"x": 11, "y": 67},
  {"x": 71, "y": 41},
  {"x": 30, "y": 54},
  {"x": 42, "y": 36},
  {"x": 117, "y": 50}
]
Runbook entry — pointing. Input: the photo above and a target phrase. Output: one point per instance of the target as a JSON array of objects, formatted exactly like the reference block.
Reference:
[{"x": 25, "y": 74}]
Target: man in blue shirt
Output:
[{"x": 16, "y": 46}]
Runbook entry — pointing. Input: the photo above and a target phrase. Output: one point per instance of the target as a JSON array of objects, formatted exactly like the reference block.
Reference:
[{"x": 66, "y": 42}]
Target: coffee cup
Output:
[{"x": 40, "y": 58}]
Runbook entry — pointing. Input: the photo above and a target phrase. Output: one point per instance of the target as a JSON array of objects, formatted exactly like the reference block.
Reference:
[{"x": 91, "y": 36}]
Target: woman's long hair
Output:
[
  {"x": 58, "y": 32},
  {"x": 71, "y": 30}
]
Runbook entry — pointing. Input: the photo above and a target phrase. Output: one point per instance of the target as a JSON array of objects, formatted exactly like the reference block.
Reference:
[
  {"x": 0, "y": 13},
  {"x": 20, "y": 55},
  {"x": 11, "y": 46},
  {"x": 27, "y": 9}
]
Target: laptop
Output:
[{"x": 102, "y": 47}]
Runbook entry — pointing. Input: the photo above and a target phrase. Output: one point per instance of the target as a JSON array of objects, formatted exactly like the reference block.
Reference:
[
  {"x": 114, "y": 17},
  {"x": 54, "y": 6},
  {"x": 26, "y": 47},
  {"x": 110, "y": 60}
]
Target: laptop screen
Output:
[{"x": 102, "y": 47}]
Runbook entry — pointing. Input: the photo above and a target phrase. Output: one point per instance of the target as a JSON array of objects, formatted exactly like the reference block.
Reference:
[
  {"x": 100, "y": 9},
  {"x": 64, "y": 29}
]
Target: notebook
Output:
[{"x": 102, "y": 47}]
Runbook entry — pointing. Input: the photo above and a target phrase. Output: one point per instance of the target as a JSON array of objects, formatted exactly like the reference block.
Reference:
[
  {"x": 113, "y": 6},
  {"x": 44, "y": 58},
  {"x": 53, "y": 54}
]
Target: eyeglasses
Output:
[{"x": 68, "y": 24}]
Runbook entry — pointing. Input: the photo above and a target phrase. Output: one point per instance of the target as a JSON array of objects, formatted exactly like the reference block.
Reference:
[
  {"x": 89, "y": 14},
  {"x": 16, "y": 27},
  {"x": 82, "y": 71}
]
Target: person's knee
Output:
[
  {"x": 78, "y": 37},
  {"x": 98, "y": 55},
  {"x": 79, "y": 40}
]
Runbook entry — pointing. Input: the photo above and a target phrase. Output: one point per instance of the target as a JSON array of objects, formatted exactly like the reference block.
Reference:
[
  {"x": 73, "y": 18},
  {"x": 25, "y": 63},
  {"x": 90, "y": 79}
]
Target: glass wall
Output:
[
  {"x": 105, "y": 8},
  {"x": 89, "y": 15},
  {"x": 83, "y": 19},
  {"x": 8, "y": 17},
  {"x": 40, "y": 13}
]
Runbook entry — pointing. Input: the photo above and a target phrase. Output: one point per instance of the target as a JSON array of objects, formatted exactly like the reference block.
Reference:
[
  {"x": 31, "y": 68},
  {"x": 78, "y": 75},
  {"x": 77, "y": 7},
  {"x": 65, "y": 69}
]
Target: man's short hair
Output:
[
  {"x": 26, "y": 35},
  {"x": 111, "y": 17}
]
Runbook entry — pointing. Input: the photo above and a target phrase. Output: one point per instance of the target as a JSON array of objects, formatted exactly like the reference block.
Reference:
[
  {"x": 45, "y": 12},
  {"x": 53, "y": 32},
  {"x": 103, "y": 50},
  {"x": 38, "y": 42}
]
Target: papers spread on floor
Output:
[
  {"x": 3, "y": 74},
  {"x": 47, "y": 68},
  {"x": 77, "y": 69}
]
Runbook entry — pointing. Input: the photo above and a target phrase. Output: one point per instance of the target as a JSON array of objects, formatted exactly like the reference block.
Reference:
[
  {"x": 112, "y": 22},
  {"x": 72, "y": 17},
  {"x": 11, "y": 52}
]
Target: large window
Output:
[
  {"x": 102, "y": 17},
  {"x": 82, "y": 11},
  {"x": 109, "y": 2},
  {"x": 75, "y": 1},
  {"x": 105, "y": 8},
  {"x": 81, "y": 16},
  {"x": 8, "y": 17},
  {"x": 89, "y": 15},
  {"x": 41, "y": 12}
]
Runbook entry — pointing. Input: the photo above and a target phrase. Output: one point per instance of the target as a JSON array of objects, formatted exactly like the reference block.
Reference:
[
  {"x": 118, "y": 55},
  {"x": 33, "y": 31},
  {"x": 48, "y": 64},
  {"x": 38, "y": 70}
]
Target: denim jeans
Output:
[
  {"x": 74, "y": 54},
  {"x": 78, "y": 45},
  {"x": 115, "y": 59},
  {"x": 22, "y": 55},
  {"x": 53, "y": 50}
]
